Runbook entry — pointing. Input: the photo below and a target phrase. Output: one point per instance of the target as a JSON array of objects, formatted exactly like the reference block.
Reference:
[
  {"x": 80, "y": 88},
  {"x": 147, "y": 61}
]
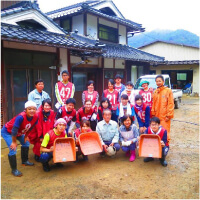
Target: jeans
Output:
[
  {"x": 116, "y": 145},
  {"x": 45, "y": 157},
  {"x": 129, "y": 148},
  {"x": 8, "y": 139},
  {"x": 165, "y": 150}
]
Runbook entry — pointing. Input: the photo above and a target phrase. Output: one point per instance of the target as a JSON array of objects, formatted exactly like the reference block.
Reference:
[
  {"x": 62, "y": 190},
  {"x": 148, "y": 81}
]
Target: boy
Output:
[
  {"x": 64, "y": 89},
  {"x": 118, "y": 85},
  {"x": 68, "y": 113},
  {"x": 47, "y": 143},
  {"x": 155, "y": 128},
  {"x": 18, "y": 128}
]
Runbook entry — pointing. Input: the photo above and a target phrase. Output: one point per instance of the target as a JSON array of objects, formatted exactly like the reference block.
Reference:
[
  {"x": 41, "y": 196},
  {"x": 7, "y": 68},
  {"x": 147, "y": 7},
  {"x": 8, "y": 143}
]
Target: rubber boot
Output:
[
  {"x": 24, "y": 156},
  {"x": 46, "y": 166},
  {"x": 13, "y": 165},
  {"x": 132, "y": 157},
  {"x": 163, "y": 161},
  {"x": 127, "y": 153},
  {"x": 148, "y": 159},
  {"x": 85, "y": 157}
]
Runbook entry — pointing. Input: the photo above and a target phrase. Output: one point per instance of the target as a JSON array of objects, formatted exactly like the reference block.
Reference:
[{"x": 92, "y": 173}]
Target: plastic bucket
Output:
[
  {"x": 64, "y": 150},
  {"x": 90, "y": 143},
  {"x": 150, "y": 146}
]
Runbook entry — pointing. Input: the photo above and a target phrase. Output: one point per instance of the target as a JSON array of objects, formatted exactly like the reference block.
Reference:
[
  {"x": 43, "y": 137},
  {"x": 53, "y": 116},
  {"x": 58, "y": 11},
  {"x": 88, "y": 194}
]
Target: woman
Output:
[
  {"x": 46, "y": 117},
  {"x": 113, "y": 96},
  {"x": 142, "y": 112},
  {"x": 130, "y": 92},
  {"x": 128, "y": 136},
  {"x": 163, "y": 104},
  {"x": 91, "y": 94}
]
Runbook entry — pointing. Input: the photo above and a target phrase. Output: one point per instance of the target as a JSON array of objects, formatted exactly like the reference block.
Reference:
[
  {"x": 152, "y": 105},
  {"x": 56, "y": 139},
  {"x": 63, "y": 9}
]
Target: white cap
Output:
[{"x": 30, "y": 104}]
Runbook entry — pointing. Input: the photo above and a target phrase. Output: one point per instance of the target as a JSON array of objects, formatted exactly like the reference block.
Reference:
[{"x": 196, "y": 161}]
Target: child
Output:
[
  {"x": 68, "y": 113},
  {"x": 85, "y": 128},
  {"x": 47, "y": 143},
  {"x": 105, "y": 103},
  {"x": 155, "y": 128},
  {"x": 130, "y": 92},
  {"x": 142, "y": 112},
  {"x": 128, "y": 136},
  {"x": 125, "y": 108},
  {"x": 146, "y": 93},
  {"x": 18, "y": 128}
]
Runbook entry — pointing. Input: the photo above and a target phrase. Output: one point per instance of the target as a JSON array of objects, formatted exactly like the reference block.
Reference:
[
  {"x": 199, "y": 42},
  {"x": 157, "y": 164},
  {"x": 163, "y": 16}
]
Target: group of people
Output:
[{"x": 114, "y": 119}]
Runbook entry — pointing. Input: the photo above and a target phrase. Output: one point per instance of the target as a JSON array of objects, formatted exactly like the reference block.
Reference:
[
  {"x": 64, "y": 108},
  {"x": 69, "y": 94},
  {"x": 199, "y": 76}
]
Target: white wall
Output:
[
  {"x": 107, "y": 23},
  {"x": 63, "y": 61},
  {"x": 92, "y": 26},
  {"x": 122, "y": 32},
  {"x": 77, "y": 23},
  {"x": 119, "y": 64},
  {"x": 172, "y": 52},
  {"x": 108, "y": 63}
]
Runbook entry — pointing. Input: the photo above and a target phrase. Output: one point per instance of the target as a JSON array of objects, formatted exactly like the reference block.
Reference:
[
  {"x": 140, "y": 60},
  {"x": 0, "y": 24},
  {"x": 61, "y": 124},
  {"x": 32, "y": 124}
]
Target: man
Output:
[
  {"x": 64, "y": 89},
  {"x": 108, "y": 131},
  {"x": 163, "y": 104},
  {"x": 38, "y": 95},
  {"x": 118, "y": 85}
]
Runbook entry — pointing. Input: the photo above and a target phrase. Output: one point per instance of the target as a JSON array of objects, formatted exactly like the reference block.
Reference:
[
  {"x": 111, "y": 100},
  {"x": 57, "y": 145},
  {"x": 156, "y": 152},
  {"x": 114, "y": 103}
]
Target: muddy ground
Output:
[{"x": 116, "y": 178}]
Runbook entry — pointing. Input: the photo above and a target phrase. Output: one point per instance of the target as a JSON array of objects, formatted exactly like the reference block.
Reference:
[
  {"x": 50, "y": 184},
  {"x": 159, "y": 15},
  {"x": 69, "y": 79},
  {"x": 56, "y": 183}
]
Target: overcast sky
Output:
[{"x": 152, "y": 14}]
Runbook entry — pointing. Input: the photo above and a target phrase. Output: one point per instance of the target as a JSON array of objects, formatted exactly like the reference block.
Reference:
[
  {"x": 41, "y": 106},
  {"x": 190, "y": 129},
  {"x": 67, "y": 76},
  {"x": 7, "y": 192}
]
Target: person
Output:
[
  {"x": 48, "y": 141},
  {"x": 18, "y": 128},
  {"x": 108, "y": 132},
  {"x": 118, "y": 84},
  {"x": 64, "y": 89},
  {"x": 155, "y": 128},
  {"x": 125, "y": 108},
  {"x": 38, "y": 95},
  {"x": 85, "y": 128},
  {"x": 68, "y": 113},
  {"x": 130, "y": 92},
  {"x": 87, "y": 112},
  {"x": 163, "y": 104},
  {"x": 46, "y": 118},
  {"x": 128, "y": 136},
  {"x": 104, "y": 104},
  {"x": 91, "y": 94},
  {"x": 113, "y": 96},
  {"x": 146, "y": 93},
  {"x": 142, "y": 112}
]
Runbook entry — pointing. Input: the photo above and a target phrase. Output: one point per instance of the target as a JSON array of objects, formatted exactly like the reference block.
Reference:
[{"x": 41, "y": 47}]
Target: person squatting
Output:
[{"x": 114, "y": 120}]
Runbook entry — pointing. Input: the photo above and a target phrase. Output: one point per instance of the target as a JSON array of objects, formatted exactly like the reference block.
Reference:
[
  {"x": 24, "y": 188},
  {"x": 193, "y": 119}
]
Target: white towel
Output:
[{"x": 121, "y": 111}]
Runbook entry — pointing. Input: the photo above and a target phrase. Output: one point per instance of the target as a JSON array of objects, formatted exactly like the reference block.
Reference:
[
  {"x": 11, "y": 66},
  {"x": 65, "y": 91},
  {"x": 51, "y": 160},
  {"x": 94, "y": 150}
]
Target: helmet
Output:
[{"x": 111, "y": 151}]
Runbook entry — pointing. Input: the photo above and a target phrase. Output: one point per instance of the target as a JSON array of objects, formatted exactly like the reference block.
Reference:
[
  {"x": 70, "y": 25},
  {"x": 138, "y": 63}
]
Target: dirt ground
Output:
[{"x": 116, "y": 178}]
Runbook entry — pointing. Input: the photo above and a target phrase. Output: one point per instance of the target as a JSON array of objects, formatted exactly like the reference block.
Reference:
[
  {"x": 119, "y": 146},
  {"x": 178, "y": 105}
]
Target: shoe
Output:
[
  {"x": 132, "y": 157},
  {"x": 127, "y": 153},
  {"x": 163, "y": 161},
  {"x": 148, "y": 159},
  {"x": 13, "y": 165},
  {"x": 46, "y": 167},
  {"x": 85, "y": 158},
  {"x": 59, "y": 165},
  {"x": 24, "y": 156},
  {"x": 102, "y": 154},
  {"x": 37, "y": 158}
]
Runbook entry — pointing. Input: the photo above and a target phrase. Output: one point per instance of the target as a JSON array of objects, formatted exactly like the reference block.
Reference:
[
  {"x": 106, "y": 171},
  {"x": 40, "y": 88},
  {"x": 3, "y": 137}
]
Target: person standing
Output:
[
  {"x": 64, "y": 90},
  {"x": 118, "y": 84},
  {"x": 163, "y": 104},
  {"x": 91, "y": 94},
  {"x": 129, "y": 90},
  {"x": 38, "y": 95}
]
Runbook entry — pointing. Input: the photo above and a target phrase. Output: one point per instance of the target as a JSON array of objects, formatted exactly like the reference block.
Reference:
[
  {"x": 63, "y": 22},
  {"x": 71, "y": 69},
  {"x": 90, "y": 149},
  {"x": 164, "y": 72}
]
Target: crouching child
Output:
[
  {"x": 48, "y": 141},
  {"x": 155, "y": 128}
]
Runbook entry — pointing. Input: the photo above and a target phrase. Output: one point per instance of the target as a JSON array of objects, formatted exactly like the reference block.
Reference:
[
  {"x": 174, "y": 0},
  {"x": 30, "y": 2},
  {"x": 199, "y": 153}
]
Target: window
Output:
[
  {"x": 181, "y": 76},
  {"x": 66, "y": 25},
  {"x": 108, "y": 33}
]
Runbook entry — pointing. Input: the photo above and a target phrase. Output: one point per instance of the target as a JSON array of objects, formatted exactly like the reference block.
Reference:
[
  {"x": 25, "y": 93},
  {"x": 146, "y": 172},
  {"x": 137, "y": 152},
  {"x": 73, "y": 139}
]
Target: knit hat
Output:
[
  {"x": 60, "y": 121},
  {"x": 30, "y": 104},
  {"x": 142, "y": 82}
]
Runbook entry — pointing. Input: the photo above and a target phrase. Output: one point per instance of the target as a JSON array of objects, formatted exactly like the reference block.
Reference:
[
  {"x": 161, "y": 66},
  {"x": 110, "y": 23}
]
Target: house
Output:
[
  {"x": 181, "y": 62},
  {"x": 88, "y": 39}
]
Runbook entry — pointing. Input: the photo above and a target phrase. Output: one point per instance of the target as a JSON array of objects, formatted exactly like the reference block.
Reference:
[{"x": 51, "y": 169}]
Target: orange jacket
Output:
[{"x": 163, "y": 103}]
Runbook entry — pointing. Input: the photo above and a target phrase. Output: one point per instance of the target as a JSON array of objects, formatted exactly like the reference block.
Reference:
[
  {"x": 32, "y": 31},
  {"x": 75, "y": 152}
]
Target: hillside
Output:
[{"x": 179, "y": 36}]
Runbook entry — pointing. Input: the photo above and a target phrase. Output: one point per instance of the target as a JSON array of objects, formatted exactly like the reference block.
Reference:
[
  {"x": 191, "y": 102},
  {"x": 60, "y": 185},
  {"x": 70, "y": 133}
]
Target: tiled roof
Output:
[
  {"x": 27, "y": 5},
  {"x": 181, "y": 62},
  {"x": 86, "y": 7},
  {"x": 119, "y": 51},
  {"x": 32, "y": 36}
]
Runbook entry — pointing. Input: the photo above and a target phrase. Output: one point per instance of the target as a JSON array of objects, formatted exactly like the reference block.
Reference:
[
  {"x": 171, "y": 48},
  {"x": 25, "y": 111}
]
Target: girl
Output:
[
  {"x": 91, "y": 94},
  {"x": 142, "y": 112},
  {"x": 105, "y": 103},
  {"x": 113, "y": 96},
  {"x": 128, "y": 136},
  {"x": 46, "y": 117},
  {"x": 130, "y": 92}
]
